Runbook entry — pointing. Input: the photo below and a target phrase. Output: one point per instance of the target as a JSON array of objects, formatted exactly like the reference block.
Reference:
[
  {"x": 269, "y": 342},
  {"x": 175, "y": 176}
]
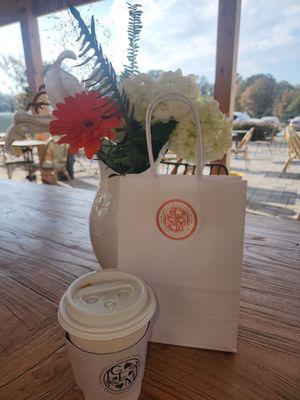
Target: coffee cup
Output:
[{"x": 106, "y": 317}]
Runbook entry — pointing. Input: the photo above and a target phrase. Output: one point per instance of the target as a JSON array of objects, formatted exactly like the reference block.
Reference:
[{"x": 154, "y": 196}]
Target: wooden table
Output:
[{"x": 44, "y": 246}]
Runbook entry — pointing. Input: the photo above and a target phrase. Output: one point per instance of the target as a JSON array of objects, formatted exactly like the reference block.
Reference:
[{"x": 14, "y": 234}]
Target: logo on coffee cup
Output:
[
  {"x": 120, "y": 377},
  {"x": 176, "y": 219}
]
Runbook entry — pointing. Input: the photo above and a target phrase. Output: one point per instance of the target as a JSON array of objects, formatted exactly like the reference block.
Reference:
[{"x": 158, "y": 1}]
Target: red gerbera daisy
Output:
[{"x": 83, "y": 120}]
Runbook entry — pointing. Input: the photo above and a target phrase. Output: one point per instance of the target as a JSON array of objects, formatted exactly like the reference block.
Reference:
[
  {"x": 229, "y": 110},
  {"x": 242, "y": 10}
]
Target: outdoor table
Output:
[
  {"x": 26, "y": 146},
  {"x": 44, "y": 246}
]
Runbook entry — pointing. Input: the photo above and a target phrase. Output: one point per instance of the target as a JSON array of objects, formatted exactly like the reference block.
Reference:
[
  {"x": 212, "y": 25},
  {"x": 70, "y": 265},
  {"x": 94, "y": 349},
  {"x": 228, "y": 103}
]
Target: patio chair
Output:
[
  {"x": 267, "y": 140},
  {"x": 53, "y": 162},
  {"x": 293, "y": 139},
  {"x": 242, "y": 147}
]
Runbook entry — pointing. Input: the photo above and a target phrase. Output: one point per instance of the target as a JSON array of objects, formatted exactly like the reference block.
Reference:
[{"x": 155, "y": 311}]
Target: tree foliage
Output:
[
  {"x": 293, "y": 109},
  {"x": 257, "y": 99},
  {"x": 13, "y": 76},
  {"x": 261, "y": 95}
]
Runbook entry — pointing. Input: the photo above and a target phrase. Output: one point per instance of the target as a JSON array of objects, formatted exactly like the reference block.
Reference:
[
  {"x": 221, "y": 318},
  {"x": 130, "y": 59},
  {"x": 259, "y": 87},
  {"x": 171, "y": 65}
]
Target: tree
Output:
[
  {"x": 238, "y": 91},
  {"x": 7, "y": 103},
  {"x": 282, "y": 102},
  {"x": 293, "y": 109},
  {"x": 257, "y": 99},
  {"x": 206, "y": 88},
  {"x": 13, "y": 72}
]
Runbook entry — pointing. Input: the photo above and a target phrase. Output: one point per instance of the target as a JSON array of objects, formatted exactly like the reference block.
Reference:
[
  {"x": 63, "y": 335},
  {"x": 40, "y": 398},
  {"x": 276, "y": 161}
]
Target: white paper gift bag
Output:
[{"x": 184, "y": 236}]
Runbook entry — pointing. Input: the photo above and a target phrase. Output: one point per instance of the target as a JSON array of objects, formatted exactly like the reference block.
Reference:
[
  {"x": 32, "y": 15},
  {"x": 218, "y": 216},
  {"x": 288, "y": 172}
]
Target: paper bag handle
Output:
[{"x": 180, "y": 97}]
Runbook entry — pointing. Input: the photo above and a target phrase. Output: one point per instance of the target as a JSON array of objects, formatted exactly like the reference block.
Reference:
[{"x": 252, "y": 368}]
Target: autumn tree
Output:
[
  {"x": 293, "y": 108},
  {"x": 282, "y": 102},
  {"x": 257, "y": 99}
]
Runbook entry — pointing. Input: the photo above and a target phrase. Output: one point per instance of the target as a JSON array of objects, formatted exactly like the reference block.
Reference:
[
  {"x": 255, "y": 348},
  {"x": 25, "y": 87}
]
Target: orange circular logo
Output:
[{"x": 176, "y": 219}]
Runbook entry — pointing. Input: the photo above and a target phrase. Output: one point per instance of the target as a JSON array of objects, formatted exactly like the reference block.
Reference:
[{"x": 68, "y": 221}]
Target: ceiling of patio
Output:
[{"x": 10, "y": 10}]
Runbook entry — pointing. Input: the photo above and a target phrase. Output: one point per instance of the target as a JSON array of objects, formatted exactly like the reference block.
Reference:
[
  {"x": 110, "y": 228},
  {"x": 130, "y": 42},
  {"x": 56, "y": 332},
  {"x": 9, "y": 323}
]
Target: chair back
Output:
[
  {"x": 293, "y": 139},
  {"x": 60, "y": 152},
  {"x": 55, "y": 153},
  {"x": 246, "y": 139}
]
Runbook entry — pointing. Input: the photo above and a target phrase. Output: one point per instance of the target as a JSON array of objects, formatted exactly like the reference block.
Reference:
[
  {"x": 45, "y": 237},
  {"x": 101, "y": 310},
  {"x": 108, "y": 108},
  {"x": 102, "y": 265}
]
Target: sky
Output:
[{"x": 176, "y": 36}]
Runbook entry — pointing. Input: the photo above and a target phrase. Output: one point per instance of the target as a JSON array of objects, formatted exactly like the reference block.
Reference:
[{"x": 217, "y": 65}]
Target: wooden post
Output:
[
  {"x": 34, "y": 63},
  {"x": 227, "y": 49},
  {"x": 32, "y": 47}
]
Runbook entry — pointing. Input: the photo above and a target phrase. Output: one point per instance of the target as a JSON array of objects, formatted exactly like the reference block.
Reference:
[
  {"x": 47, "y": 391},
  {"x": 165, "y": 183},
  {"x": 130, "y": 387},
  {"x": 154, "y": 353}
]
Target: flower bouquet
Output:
[{"x": 105, "y": 114}]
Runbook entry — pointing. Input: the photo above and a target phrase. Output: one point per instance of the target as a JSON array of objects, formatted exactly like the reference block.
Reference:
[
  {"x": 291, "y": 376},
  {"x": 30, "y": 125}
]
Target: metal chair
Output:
[{"x": 189, "y": 169}]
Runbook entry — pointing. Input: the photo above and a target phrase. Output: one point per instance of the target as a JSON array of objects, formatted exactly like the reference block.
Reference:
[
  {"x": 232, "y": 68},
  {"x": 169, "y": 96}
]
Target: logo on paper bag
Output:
[
  {"x": 120, "y": 377},
  {"x": 176, "y": 219}
]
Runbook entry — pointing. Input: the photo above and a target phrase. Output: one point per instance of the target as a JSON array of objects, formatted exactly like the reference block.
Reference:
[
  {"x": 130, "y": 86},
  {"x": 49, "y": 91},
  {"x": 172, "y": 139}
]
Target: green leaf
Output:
[
  {"x": 130, "y": 155},
  {"x": 134, "y": 30}
]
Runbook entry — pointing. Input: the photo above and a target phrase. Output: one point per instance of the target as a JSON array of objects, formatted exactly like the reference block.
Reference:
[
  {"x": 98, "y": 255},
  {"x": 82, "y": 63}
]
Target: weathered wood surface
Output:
[{"x": 44, "y": 246}]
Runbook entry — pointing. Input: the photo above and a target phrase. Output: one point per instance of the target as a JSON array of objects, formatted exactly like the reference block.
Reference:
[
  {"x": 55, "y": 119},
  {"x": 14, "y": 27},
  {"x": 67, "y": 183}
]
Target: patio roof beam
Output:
[
  {"x": 226, "y": 61},
  {"x": 26, "y": 12},
  {"x": 32, "y": 48},
  {"x": 10, "y": 10},
  {"x": 227, "y": 49}
]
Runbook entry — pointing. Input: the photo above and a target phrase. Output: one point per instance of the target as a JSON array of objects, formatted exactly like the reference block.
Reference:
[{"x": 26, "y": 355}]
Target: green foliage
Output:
[
  {"x": 261, "y": 130},
  {"x": 134, "y": 31},
  {"x": 131, "y": 155},
  {"x": 103, "y": 79}
]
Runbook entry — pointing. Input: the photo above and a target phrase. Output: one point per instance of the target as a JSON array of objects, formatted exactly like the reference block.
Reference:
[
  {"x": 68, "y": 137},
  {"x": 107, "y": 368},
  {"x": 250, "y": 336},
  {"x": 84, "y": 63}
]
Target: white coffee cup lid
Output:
[{"x": 106, "y": 304}]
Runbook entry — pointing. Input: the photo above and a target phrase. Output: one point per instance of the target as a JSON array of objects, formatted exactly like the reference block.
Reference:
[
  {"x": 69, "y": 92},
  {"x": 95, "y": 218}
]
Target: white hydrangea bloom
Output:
[
  {"x": 141, "y": 89},
  {"x": 215, "y": 131},
  {"x": 215, "y": 126}
]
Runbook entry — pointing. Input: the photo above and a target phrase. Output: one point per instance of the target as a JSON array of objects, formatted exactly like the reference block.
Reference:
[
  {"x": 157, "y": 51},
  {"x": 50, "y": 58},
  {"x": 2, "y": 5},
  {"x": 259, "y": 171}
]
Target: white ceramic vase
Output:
[
  {"x": 103, "y": 217},
  {"x": 103, "y": 224}
]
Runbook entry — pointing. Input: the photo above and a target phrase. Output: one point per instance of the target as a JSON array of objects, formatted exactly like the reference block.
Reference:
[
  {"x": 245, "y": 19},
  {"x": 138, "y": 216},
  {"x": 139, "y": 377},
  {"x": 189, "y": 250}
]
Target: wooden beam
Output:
[
  {"x": 42, "y": 7},
  {"x": 32, "y": 48},
  {"x": 227, "y": 49},
  {"x": 10, "y": 9}
]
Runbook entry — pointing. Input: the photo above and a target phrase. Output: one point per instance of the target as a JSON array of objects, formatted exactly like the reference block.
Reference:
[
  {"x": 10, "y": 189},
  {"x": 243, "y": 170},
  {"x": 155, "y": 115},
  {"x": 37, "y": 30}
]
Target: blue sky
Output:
[{"x": 176, "y": 36}]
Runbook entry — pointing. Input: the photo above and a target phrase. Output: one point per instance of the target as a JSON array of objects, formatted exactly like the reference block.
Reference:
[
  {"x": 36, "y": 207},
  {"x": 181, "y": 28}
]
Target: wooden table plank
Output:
[{"x": 44, "y": 246}]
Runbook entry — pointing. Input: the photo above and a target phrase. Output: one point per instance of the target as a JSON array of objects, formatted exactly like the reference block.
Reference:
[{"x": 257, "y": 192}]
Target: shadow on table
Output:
[
  {"x": 269, "y": 209},
  {"x": 83, "y": 184}
]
